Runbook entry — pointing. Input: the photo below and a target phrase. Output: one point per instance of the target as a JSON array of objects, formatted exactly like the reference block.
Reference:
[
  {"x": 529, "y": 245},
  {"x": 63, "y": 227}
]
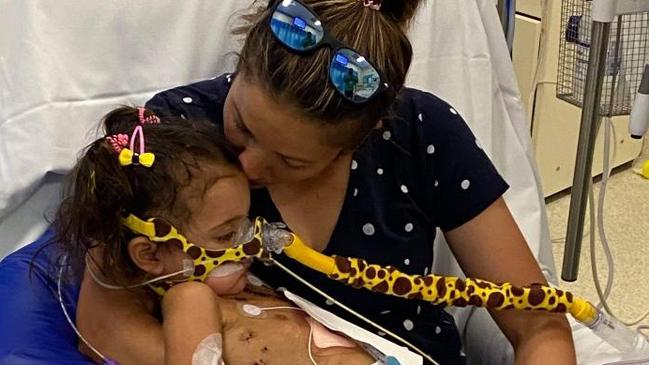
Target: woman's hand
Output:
[
  {"x": 191, "y": 315},
  {"x": 491, "y": 247}
]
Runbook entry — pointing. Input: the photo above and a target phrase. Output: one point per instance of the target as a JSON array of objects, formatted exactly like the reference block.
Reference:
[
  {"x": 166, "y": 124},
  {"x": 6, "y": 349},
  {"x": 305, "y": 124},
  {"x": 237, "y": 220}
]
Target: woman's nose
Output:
[{"x": 253, "y": 163}]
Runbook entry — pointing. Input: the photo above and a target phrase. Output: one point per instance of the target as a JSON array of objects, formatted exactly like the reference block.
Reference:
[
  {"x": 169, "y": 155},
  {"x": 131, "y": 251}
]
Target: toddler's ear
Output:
[{"x": 145, "y": 254}]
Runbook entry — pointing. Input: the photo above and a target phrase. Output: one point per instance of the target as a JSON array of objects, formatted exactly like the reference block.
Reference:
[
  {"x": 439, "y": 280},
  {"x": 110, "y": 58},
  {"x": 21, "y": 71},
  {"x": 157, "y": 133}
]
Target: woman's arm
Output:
[{"x": 491, "y": 247}]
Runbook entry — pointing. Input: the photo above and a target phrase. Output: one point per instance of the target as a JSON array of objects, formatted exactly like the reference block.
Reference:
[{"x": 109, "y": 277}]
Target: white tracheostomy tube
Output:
[{"x": 209, "y": 351}]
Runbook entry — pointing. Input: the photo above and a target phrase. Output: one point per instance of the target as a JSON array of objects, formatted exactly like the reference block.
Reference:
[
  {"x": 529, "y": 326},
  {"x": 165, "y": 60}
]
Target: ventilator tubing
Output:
[{"x": 453, "y": 291}]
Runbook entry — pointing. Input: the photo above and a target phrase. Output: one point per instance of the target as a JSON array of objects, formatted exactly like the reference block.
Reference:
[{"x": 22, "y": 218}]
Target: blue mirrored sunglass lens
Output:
[
  {"x": 295, "y": 26},
  {"x": 353, "y": 76}
]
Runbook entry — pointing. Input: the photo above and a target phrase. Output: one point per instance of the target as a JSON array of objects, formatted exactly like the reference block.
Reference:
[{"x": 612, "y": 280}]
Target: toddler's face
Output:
[{"x": 217, "y": 211}]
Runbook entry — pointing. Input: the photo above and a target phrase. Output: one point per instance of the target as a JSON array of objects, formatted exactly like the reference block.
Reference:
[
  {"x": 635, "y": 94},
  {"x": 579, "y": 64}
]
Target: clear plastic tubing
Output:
[{"x": 618, "y": 335}]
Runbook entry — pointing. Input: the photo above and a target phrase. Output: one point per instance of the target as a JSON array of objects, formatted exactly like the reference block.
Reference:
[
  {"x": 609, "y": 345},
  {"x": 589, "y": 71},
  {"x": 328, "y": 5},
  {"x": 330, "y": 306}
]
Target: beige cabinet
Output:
[{"x": 554, "y": 124}]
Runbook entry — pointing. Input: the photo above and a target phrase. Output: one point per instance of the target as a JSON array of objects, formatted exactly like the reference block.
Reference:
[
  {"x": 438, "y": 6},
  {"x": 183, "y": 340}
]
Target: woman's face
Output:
[{"x": 278, "y": 144}]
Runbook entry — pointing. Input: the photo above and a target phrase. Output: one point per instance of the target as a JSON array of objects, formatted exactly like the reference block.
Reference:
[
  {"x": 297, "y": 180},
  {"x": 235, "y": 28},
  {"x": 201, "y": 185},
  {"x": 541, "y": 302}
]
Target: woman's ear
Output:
[{"x": 145, "y": 254}]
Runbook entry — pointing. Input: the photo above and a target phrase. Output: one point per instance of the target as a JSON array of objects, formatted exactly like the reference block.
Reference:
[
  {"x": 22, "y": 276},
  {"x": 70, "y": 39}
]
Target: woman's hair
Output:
[
  {"x": 303, "y": 79},
  {"x": 101, "y": 192}
]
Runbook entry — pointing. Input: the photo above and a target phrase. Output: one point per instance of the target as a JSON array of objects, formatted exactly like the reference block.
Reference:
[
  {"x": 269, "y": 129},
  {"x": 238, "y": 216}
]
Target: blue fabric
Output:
[
  {"x": 422, "y": 170},
  {"x": 33, "y": 329}
]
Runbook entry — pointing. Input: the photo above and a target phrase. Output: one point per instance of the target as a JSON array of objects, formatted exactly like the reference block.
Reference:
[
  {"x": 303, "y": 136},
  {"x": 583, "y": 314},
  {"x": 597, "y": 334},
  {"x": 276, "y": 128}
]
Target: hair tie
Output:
[
  {"x": 117, "y": 142},
  {"x": 151, "y": 119},
  {"x": 372, "y": 4}
]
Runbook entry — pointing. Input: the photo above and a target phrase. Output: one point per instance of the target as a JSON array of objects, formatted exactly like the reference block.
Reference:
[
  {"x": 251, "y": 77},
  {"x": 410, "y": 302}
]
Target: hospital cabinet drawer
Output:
[{"x": 530, "y": 7}]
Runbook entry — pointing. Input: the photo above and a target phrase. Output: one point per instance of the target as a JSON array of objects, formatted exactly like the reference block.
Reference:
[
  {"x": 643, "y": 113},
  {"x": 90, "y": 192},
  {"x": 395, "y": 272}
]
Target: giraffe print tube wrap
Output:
[
  {"x": 442, "y": 290},
  {"x": 453, "y": 291}
]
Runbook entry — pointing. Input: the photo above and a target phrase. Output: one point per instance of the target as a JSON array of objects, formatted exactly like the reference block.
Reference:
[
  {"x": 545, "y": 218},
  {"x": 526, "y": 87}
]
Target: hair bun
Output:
[{"x": 401, "y": 11}]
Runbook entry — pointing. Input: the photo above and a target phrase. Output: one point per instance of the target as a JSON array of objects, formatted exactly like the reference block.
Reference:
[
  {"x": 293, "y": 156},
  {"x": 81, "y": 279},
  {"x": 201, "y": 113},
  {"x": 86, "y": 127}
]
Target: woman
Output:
[{"x": 371, "y": 176}]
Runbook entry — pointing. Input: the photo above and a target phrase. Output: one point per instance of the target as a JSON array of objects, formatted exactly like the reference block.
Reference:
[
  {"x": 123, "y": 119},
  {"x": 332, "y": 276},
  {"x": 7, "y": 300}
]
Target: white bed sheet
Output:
[{"x": 64, "y": 64}]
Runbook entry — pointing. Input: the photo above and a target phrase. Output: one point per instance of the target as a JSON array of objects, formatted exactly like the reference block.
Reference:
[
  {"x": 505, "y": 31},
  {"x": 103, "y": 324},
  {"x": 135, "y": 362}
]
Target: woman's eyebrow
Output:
[{"x": 231, "y": 222}]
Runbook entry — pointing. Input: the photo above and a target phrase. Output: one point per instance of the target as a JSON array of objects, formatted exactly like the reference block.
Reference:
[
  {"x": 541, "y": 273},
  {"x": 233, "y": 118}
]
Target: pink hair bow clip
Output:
[
  {"x": 372, "y": 4},
  {"x": 151, "y": 119},
  {"x": 128, "y": 156}
]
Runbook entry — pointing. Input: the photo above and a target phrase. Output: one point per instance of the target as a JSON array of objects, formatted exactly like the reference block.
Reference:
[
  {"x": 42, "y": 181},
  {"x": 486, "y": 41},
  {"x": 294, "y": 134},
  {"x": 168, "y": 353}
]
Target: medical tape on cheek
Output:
[{"x": 209, "y": 351}]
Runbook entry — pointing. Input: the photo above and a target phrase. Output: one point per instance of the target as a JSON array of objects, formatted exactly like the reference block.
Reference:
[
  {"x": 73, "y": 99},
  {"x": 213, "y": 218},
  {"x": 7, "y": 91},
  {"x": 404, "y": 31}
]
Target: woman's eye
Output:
[
  {"x": 226, "y": 238},
  {"x": 291, "y": 164},
  {"x": 241, "y": 127}
]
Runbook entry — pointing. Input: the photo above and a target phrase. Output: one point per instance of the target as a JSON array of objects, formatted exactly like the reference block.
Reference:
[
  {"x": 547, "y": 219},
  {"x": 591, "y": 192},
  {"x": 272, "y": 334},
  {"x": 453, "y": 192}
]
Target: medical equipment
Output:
[
  {"x": 451, "y": 291},
  {"x": 639, "y": 123},
  {"x": 439, "y": 290},
  {"x": 601, "y": 88}
]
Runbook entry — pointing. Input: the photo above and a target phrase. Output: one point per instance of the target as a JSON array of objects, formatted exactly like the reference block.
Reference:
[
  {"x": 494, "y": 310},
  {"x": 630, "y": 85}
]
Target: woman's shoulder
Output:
[
  {"x": 420, "y": 117},
  {"x": 199, "y": 99}
]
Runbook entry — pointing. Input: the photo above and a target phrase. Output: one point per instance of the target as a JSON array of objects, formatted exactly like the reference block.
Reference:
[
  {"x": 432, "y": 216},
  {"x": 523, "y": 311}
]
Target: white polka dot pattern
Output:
[
  {"x": 453, "y": 111},
  {"x": 379, "y": 171},
  {"x": 354, "y": 165},
  {"x": 404, "y": 189},
  {"x": 187, "y": 99},
  {"x": 466, "y": 184},
  {"x": 409, "y": 227},
  {"x": 368, "y": 229},
  {"x": 430, "y": 149},
  {"x": 387, "y": 135},
  {"x": 408, "y": 325}
]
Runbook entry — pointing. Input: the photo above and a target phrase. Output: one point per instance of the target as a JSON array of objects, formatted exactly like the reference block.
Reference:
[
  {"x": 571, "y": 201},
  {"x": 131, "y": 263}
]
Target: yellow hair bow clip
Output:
[{"x": 128, "y": 157}]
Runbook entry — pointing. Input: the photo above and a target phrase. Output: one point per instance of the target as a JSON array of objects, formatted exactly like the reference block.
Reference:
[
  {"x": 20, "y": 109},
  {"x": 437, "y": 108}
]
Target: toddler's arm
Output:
[{"x": 192, "y": 325}]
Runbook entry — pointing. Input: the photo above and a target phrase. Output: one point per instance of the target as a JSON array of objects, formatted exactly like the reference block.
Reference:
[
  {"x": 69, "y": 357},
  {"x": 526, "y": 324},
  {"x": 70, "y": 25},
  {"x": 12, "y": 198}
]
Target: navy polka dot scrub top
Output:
[{"x": 422, "y": 171}]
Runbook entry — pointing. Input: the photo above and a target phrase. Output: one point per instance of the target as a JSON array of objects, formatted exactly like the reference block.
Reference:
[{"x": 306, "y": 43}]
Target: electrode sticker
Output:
[{"x": 251, "y": 311}]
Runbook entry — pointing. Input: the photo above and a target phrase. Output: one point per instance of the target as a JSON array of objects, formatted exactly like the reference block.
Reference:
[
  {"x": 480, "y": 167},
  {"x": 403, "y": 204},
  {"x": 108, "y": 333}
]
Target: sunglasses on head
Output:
[{"x": 298, "y": 28}]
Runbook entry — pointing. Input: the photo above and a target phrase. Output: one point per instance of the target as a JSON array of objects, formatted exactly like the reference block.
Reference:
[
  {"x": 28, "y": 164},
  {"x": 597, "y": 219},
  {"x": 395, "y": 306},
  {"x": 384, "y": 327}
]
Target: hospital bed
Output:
[{"x": 63, "y": 64}]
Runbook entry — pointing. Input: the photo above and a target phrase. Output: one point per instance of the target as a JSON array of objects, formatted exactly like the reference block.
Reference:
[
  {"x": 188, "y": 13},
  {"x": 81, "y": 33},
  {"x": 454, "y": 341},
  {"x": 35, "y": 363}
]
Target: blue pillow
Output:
[{"x": 33, "y": 329}]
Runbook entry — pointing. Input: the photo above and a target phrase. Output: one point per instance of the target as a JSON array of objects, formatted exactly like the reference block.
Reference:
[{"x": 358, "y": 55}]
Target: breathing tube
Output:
[{"x": 453, "y": 291}]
